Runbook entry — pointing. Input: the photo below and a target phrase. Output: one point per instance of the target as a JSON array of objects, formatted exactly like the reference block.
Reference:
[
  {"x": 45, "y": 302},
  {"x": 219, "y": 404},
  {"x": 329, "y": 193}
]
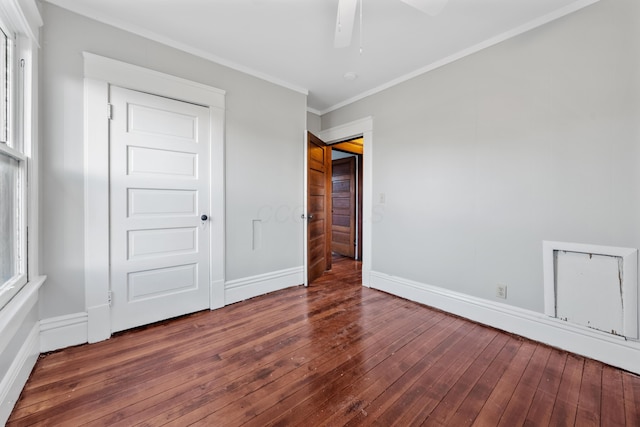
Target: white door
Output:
[{"x": 159, "y": 199}]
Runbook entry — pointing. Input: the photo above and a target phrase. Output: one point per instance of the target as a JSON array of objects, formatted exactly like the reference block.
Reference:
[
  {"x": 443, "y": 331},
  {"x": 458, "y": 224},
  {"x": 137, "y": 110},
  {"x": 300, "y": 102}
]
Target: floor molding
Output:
[
  {"x": 63, "y": 331},
  {"x": 249, "y": 287},
  {"x": 16, "y": 377},
  {"x": 607, "y": 348}
]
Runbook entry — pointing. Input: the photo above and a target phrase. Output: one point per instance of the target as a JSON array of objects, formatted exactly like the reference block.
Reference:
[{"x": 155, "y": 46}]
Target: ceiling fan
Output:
[{"x": 347, "y": 15}]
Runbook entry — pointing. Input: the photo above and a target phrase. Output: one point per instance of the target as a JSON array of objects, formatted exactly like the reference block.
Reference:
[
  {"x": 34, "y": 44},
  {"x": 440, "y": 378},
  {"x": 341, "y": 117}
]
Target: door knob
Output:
[{"x": 204, "y": 217}]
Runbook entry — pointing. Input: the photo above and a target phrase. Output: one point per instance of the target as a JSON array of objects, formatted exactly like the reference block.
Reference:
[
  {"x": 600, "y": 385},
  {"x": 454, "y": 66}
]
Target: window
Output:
[{"x": 13, "y": 173}]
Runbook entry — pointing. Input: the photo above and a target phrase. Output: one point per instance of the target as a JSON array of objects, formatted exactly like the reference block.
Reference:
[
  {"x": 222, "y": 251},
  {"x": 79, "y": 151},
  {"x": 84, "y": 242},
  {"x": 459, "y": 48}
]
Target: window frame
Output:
[{"x": 14, "y": 146}]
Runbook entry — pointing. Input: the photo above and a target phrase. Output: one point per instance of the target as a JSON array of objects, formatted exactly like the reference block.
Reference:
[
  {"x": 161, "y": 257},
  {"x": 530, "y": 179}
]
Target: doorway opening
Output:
[
  {"x": 346, "y": 198},
  {"x": 316, "y": 195},
  {"x": 334, "y": 202}
]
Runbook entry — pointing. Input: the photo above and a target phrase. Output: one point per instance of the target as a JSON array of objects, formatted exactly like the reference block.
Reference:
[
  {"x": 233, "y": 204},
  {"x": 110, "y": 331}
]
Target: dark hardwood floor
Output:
[{"x": 331, "y": 354}]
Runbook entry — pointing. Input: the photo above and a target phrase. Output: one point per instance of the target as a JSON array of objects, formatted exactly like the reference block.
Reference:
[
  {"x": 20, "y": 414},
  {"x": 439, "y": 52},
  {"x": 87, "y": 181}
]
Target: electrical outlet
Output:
[{"x": 501, "y": 291}]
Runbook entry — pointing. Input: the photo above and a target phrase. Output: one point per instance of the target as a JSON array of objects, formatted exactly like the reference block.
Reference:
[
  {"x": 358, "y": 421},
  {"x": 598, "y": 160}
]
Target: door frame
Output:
[
  {"x": 357, "y": 128},
  {"x": 100, "y": 73}
]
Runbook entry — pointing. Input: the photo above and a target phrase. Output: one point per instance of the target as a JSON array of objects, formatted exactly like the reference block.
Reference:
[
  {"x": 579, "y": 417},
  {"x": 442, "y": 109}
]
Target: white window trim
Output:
[{"x": 22, "y": 19}]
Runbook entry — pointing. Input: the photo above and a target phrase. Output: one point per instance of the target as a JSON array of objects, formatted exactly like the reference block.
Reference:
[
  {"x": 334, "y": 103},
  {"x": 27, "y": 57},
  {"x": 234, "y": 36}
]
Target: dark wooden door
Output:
[
  {"x": 318, "y": 207},
  {"x": 343, "y": 203}
]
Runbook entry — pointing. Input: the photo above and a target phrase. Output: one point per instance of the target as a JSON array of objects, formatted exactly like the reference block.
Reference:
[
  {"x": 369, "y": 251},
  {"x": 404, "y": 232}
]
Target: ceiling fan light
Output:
[{"x": 344, "y": 23}]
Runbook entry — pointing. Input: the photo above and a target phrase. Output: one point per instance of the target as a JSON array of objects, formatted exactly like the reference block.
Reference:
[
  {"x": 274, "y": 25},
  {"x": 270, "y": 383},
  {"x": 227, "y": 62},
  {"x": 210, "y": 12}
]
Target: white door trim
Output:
[
  {"x": 364, "y": 128},
  {"x": 99, "y": 74},
  {"x": 305, "y": 222}
]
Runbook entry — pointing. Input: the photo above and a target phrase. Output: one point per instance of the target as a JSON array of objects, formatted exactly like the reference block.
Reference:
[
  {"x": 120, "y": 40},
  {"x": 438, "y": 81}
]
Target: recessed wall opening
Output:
[{"x": 592, "y": 286}]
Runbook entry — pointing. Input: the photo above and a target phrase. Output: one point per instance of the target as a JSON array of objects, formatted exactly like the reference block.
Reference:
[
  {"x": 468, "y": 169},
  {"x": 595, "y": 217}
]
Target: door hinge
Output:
[
  {"x": 110, "y": 297},
  {"x": 110, "y": 111}
]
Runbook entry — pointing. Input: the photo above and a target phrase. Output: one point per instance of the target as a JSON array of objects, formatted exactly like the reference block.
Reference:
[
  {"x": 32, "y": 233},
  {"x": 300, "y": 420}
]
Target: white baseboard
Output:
[
  {"x": 607, "y": 348},
  {"x": 249, "y": 287},
  {"x": 63, "y": 331},
  {"x": 16, "y": 377}
]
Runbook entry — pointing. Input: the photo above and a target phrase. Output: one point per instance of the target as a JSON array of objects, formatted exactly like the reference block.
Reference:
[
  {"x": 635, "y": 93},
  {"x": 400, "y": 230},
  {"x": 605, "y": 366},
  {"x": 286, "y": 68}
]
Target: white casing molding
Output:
[
  {"x": 16, "y": 377},
  {"x": 610, "y": 349},
  {"x": 364, "y": 128},
  {"x": 249, "y": 287},
  {"x": 63, "y": 331},
  {"x": 100, "y": 73}
]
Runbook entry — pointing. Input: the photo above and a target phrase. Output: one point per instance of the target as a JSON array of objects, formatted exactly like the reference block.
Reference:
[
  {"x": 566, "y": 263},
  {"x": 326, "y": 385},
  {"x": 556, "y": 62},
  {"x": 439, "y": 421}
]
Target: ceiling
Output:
[{"x": 290, "y": 42}]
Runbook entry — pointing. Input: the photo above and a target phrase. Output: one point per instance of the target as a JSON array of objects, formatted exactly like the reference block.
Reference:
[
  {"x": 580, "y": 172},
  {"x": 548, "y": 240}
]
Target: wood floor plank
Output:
[
  {"x": 197, "y": 407},
  {"x": 100, "y": 369},
  {"x": 589, "y": 402},
  {"x": 454, "y": 398},
  {"x": 469, "y": 409},
  {"x": 429, "y": 390},
  {"x": 383, "y": 365},
  {"x": 409, "y": 393},
  {"x": 233, "y": 388},
  {"x": 566, "y": 405},
  {"x": 631, "y": 389},
  {"x": 497, "y": 402},
  {"x": 334, "y": 353},
  {"x": 163, "y": 334},
  {"x": 172, "y": 362},
  {"x": 355, "y": 400},
  {"x": 374, "y": 351},
  {"x": 612, "y": 403},
  {"x": 185, "y": 369},
  {"x": 545, "y": 397},
  {"x": 355, "y": 406},
  {"x": 518, "y": 406}
]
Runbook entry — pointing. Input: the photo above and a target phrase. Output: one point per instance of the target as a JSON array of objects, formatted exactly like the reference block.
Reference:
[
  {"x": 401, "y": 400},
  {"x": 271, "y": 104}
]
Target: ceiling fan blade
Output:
[
  {"x": 430, "y": 7},
  {"x": 344, "y": 22}
]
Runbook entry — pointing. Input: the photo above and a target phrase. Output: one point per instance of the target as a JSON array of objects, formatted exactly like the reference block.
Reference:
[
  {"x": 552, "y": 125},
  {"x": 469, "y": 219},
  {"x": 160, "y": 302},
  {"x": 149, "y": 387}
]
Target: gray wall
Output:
[
  {"x": 265, "y": 127},
  {"x": 536, "y": 138},
  {"x": 314, "y": 123}
]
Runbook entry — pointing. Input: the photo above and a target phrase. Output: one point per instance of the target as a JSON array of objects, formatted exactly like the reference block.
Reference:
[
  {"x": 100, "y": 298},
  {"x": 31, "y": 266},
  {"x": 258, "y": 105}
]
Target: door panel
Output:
[
  {"x": 318, "y": 207},
  {"x": 150, "y": 202},
  {"x": 159, "y": 187},
  {"x": 343, "y": 213},
  {"x": 163, "y": 242},
  {"x": 154, "y": 161}
]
